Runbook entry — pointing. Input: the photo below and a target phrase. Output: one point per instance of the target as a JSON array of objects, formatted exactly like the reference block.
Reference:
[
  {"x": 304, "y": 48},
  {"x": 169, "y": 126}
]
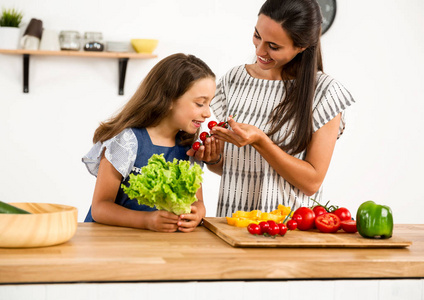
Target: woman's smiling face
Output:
[{"x": 274, "y": 47}]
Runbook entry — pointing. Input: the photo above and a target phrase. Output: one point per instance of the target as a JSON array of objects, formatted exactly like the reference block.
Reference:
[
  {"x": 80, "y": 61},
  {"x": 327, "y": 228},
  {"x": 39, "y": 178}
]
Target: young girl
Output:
[
  {"x": 163, "y": 116},
  {"x": 289, "y": 115}
]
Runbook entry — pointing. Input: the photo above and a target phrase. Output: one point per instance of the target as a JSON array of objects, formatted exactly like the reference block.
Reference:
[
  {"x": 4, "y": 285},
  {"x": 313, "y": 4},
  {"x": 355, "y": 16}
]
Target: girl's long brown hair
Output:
[
  {"x": 301, "y": 19},
  {"x": 168, "y": 80}
]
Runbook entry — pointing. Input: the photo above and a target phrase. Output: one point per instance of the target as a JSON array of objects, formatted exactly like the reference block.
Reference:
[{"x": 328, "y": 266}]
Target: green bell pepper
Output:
[{"x": 373, "y": 220}]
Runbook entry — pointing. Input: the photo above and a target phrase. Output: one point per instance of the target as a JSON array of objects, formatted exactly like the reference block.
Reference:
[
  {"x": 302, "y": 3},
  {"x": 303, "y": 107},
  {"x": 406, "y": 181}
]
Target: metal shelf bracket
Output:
[
  {"x": 26, "y": 73},
  {"x": 122, "y": 71},
  {"x": 122, "y": 68}
]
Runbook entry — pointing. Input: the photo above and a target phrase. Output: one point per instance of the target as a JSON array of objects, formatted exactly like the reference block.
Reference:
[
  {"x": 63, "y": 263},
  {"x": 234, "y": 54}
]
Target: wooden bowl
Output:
[
  {"x": 47, "y": 225},
  {"x": 144, "y": 45}
]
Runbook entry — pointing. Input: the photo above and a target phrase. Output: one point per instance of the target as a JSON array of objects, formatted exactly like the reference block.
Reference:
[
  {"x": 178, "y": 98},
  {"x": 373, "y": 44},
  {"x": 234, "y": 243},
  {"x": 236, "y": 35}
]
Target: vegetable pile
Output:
[
  {"x": 262, "y": 223},
  {"x": 327, "y": 219},
  {"x": 373, "y": 221},
  {"x": 244, "y": 218},
  {"x": 169, "y": 186},
  {"x": 268, "y": 228}
]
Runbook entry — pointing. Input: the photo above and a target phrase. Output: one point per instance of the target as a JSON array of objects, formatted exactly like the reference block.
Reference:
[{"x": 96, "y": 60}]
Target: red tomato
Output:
[
  {"x": 223, "y": 124},
  {"x": 319, "y": 210},
  {"x": 343, "y": 213},
  {"x": 328, "y": 223},
  {"x": 297, "y": 218},
  {"x": 349, "y": 226},
  {"x": 196, "y": 146},
  {"x": 264, "y": 227},
  {"x": 283, "y": 229},
  {"x": 212, "y": 124},
  {"x": 254, "y": 228},
  {"x": 203, "y": 136},
  {"x": 271, "y": 222},
  {"x": 273, "y": 229},
  {"x": 308, "y": 217},
  {"x": 291, "y": 224}
]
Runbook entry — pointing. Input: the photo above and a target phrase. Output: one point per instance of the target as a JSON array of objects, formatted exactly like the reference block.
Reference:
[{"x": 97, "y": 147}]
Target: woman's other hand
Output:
[{"x": 240, "y": 134}]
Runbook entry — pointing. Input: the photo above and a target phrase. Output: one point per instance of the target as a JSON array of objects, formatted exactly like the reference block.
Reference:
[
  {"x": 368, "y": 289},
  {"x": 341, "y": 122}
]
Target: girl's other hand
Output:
[
  {"x": 240, "y": 134},
  {"x": 188, "y": 222},
  {"x": 162, "y": 221}
]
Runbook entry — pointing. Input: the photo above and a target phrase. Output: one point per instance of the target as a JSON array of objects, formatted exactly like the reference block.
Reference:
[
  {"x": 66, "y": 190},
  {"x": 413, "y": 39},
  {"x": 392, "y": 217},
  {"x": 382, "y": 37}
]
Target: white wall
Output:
[{"x": 375, "y": 48}]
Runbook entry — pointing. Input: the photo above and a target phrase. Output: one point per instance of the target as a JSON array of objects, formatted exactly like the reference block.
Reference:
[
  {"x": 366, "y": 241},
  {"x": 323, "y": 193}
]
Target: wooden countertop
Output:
[{"x": 101, "y": 253}]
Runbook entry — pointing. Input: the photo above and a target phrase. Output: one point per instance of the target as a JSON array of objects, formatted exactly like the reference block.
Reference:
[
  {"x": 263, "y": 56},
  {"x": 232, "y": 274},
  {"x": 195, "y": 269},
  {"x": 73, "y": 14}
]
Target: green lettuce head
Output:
[{"x": 169, "y": 186}]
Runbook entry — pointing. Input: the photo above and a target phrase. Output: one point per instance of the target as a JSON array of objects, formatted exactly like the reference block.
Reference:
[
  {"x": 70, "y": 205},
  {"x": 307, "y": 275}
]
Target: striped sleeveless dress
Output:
[{"x": 248, "y": 182}]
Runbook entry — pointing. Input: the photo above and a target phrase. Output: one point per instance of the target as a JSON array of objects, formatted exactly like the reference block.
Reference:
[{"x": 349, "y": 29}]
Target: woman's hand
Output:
[
  {"x": 162, "y": 221},
  {"x": 188, "y": 222},
  {"x": 240, "y": 134}
]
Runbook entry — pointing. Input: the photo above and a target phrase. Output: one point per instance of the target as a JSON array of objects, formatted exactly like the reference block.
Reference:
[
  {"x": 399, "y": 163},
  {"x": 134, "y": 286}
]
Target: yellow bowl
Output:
[
  {"x": 144, "y": 45},
  {"x": 47, "y": 225}
]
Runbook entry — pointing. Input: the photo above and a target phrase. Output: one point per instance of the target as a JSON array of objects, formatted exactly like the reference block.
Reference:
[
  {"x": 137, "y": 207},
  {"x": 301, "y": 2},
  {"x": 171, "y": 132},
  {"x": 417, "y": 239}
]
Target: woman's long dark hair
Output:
[
  {"x": 168, "y": 80},
  {"x": 301, "y": 20}
]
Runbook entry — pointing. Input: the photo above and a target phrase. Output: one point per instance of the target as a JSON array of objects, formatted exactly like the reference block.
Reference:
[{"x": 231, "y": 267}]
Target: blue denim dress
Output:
[{"x": 128, "y": 152}]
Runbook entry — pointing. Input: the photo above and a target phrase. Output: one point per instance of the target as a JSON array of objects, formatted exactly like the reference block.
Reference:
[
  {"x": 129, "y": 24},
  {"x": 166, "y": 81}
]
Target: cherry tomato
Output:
[
  {"x": 203, "y": 136},
  {"x": 196, "y": 146},
  {"x": 273, "y": 229},
  {"x": 254, "y": 228},
  {"x": 291, "y": 224},
  {"x": 223, "y": 124},
  {"x": 297, "y": 218},
  {"x": 308, "y": 218},
  {"x": 349, "y": 226},
  {"x": 271, "y": 222},
  {"x": 283, "y": 229},
  {"x": 343, "y": 213},
  {"x": 319, "y": 210},
  {"x": 328, "y": 223},
  {"x": 212, "y": 124},
  {"x": 264, "y": 227}
]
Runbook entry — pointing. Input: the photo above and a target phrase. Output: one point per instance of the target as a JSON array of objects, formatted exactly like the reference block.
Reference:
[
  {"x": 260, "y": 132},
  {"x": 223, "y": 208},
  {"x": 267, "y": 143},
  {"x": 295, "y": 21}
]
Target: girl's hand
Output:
[
  {"x": 188, "y": 222},
  {"x": 240, "y": 134},
  {"x": 163, "y": 221},
  {"x": 209, "y": 151}
]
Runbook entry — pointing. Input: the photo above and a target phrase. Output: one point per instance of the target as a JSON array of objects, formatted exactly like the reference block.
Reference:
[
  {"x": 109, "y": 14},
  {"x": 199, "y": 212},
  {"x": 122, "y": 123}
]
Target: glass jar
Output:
[
  {"x": 69, "y": 40},
  {"x": 93, "y": 41}
]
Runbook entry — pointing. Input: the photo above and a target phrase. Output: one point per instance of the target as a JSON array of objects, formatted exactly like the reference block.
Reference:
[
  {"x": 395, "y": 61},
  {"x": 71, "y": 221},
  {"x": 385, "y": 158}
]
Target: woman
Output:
[{"x": 289, "y": 115}]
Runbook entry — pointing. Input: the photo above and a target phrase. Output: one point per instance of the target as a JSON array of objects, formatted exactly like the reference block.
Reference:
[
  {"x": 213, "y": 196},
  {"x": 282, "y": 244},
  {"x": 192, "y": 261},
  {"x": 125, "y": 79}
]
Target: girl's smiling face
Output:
[
  {"x": 192, "y": 109},
  {"x": 274, "y": 47}
]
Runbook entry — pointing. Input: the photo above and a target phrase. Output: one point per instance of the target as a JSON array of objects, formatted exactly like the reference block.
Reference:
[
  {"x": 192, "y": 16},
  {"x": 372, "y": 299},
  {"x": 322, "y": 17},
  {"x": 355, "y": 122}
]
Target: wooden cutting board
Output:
[{"x": 240, "y": 237}]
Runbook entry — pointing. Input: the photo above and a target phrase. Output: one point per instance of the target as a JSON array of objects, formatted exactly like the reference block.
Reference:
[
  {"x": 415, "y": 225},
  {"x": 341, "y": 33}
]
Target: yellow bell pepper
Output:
[
  {"x": 241, "y": 214},
  {"x": 255, "y": 214},
  {"x": 269, "y": 216},
  {"x": 284, "y": 210},
  {"x": 231, "y": 221},
  {"x": 244, "y": 222}
]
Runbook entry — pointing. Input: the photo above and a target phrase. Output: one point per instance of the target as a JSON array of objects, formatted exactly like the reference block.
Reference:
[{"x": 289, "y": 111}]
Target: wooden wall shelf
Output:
[{"x": 122, "y": 57}]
